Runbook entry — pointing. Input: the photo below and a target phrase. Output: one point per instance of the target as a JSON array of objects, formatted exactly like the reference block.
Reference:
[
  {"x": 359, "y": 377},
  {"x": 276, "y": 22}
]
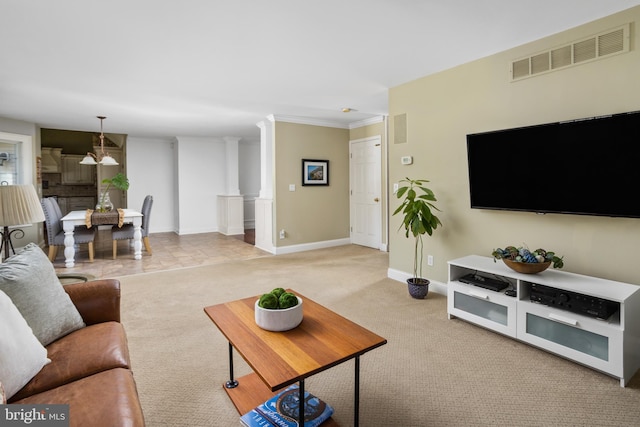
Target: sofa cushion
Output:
[
  {"x": 82, "y": 353},
  {"x": 30, "y": 280},
  {"x": 108, "y": 398},
  {"x": 97, "y": 301},
  {"x": 3, "y": 397},
  {"x": 21, "y": 354}
]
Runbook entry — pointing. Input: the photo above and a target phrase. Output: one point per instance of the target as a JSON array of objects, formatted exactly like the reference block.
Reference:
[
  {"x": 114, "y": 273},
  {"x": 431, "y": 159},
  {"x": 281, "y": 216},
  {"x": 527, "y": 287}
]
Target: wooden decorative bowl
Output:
[{"x": 527, "y": 267}]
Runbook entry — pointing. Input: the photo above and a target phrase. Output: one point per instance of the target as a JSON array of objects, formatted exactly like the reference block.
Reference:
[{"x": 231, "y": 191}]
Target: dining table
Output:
[{"x": 79, "y": 218}]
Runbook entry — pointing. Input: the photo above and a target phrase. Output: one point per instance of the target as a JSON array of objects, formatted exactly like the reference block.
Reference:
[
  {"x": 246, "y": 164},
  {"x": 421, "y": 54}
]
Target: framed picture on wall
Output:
[{"x": 315, "y": 172}]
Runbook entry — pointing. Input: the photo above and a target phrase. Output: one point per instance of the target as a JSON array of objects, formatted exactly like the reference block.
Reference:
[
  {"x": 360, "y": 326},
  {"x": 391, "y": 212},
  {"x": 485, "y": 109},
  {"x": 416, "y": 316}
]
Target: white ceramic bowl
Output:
[{"x": 279, "y": 320}]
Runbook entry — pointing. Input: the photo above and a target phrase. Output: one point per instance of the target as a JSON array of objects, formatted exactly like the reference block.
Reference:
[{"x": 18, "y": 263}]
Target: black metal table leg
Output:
[
  {"x": 356, "y": 402},
  {"x": 232, "y": 383},
  {"x": 302, "y": 403}
]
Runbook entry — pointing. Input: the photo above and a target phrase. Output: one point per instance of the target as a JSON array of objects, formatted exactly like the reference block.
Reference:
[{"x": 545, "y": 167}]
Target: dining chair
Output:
[
  {"x": 55, "y": 232},
  {"x": 126, "y": 231}
]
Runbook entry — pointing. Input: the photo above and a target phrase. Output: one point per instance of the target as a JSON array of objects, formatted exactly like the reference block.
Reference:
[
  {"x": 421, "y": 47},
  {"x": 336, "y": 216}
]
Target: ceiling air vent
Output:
[{"x": 578, "y": 52}]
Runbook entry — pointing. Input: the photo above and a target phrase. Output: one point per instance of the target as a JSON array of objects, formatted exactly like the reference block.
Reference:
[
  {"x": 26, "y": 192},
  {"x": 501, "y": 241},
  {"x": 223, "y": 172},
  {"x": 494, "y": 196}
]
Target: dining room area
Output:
[
  {"x": 74, "y": 165},
  {"x": 170, "y": 251}
]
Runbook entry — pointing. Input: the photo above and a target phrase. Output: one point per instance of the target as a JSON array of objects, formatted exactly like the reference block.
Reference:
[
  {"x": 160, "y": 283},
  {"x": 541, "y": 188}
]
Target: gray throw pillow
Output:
[{"x": 30, "y": 280}]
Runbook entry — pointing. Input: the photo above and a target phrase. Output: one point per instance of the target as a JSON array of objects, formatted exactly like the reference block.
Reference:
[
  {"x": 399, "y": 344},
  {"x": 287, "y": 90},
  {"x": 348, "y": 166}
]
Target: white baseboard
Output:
[
  {"x": 280, "y": 250},
  {"x": 184, "y": 231},
  {"x": 270, "y": 249},
  {"x": 401, "y": 276},
  {"x": 231, "y": 231}
]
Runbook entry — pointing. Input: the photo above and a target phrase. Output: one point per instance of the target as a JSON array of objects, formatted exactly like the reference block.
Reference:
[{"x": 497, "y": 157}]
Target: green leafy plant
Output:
[
  {"x": 278, "y": 299},
  {"x": 418, "y": 218},
  {"x": 523, "y": 254},
  {"x": 119, "y": 181}
]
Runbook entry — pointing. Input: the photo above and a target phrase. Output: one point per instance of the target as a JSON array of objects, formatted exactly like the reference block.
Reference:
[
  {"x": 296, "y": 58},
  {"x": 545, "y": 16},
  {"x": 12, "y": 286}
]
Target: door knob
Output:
[{"x": 376, "y": 200}]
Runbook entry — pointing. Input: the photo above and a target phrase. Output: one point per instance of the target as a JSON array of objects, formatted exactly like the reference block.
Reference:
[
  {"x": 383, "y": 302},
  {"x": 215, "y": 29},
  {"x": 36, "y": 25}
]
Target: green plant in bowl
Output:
[{"x": 119, "y": 181}]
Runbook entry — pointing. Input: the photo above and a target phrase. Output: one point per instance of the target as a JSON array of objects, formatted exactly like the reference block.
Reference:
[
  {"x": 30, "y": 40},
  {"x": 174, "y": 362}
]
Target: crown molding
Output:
[
  {"x": 326, "y": 123},
  {"x": 366, "y": 122},
  {"x": 306, "y": 121}
]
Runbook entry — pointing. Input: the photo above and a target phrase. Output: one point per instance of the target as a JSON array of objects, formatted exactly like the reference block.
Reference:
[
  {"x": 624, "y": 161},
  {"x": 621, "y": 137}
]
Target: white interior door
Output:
[{"x": 366, "y": 192}]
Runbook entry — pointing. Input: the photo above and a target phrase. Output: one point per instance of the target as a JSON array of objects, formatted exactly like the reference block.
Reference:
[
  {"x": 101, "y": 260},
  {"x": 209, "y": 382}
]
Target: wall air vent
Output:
[{"x": 601, "y": 45}]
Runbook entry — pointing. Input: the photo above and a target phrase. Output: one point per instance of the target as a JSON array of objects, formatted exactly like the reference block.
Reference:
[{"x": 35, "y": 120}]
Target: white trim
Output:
[
  {"x": 366, "y": 122},
  {"x": 184, "y": 232},
  {"x": 311, "y": 246},
  {"x": 325, "y": 123},
  {"x": 27, "y": 161},
  {"x": 264, "y": 224},
  {"x": 306, "y": 121},
  {"x": 401, "y": 276}
]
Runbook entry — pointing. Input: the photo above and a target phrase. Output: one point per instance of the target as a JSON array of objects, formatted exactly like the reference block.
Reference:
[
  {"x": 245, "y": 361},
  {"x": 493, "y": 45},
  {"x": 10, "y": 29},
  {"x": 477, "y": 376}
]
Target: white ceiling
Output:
[{"x": 216, "y": 68}]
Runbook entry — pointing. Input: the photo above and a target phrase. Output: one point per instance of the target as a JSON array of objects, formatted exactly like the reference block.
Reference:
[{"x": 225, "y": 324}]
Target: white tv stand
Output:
[{"x": 608, "y": 345}]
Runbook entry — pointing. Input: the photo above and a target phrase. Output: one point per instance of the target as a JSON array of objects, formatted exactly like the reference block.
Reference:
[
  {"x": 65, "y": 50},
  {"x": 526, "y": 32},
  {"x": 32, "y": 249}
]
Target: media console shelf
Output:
[{"x": 610, "y": 345}]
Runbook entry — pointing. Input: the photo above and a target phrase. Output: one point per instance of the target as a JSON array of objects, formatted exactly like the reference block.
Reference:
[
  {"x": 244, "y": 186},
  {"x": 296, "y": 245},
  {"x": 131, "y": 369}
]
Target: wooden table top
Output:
[{"x": 323, "y": 339}]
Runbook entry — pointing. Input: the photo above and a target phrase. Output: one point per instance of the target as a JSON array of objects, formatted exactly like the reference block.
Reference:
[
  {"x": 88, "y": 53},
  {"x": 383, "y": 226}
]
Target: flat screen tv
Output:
[{"x": 583, "y": 167}]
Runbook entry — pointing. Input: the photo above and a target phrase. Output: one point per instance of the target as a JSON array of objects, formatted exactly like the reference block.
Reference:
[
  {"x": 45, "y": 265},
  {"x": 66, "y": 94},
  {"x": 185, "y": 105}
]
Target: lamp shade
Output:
[
  {"x": 88, "y": 160},
  {"x": 19, "y": 204},
  {"x": 107, "y": 160}
]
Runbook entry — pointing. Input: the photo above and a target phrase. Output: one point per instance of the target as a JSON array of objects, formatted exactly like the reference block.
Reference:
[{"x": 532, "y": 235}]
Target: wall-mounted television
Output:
[{"x": 584, "y": 167}]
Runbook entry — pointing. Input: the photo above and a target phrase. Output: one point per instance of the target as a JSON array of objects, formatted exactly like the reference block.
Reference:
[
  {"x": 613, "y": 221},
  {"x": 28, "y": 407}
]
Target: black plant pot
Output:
[{"x": 418, "y": 287}]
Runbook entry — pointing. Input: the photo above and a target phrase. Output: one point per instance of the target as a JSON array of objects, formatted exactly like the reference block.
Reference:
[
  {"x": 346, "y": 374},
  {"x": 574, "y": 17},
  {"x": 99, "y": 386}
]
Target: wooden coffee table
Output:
[{"x": 324, "y": 339}]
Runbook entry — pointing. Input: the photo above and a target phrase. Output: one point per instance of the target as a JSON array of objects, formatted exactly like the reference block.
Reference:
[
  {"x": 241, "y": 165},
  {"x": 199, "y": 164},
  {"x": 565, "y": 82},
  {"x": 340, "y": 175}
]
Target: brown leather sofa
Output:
[{"x": 90, "y": 368}]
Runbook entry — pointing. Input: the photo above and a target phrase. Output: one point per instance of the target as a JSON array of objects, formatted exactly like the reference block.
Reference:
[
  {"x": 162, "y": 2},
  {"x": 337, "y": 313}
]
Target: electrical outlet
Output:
[
  {"x": 430, "y": 260},
  {"x": 282, "y": 233},
  {"x": 395, "y": 187}
]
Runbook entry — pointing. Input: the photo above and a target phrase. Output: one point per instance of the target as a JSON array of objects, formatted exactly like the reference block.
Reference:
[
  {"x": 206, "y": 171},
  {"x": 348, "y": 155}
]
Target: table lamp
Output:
[{"x": 19, "y": 205}]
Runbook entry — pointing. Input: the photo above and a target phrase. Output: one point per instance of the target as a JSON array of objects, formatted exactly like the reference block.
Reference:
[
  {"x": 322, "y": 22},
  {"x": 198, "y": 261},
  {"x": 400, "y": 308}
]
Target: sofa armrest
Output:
[{"x": 97, "y": 300}]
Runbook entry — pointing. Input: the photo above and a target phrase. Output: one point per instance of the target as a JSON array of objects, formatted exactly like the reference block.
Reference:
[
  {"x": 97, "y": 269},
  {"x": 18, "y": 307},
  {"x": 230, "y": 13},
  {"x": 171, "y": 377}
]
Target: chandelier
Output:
[{"x": 102, "y": 157}]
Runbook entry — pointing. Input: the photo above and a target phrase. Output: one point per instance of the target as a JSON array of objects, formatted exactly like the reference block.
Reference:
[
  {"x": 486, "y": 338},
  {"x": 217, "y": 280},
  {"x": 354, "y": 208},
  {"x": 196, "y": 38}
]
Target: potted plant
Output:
[
  {"x": 119, "y": 181},
  {"x": 278, "y": 310},
  {"x": 416, "y": 207}
]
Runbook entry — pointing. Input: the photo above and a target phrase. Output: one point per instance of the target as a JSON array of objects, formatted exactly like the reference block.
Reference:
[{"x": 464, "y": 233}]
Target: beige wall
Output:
[
  {"x": 310, "y": 213},
  {"x": 443, "y": 108}
]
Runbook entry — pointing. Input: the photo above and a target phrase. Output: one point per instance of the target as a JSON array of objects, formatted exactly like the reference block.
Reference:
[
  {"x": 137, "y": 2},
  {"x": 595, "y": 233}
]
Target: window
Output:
[
  {"x": 9, "y": 165},
  {"x": 18, "y": 168}
]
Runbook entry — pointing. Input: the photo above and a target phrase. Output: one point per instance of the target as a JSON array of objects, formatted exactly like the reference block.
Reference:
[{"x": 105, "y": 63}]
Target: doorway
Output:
[{"x": 365, "y": 157}]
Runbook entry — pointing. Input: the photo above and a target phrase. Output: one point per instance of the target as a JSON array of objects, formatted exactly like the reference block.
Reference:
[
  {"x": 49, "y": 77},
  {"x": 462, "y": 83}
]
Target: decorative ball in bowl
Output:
[
  {"x": 526, "y": 261},
  {"x": 285, "y": 312},
  {"x": 527, "y": 267}
]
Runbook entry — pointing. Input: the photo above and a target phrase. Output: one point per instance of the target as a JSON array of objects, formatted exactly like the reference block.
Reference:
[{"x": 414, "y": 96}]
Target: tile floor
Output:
[{"x": 169, "y": 251}]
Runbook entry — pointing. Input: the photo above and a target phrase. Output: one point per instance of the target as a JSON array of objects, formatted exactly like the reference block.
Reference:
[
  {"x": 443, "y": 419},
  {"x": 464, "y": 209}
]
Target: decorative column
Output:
[
  {"x": 233, "y": 177},
  {"x": 231, "y": 204},
  {"x": 264, "y": 202}
]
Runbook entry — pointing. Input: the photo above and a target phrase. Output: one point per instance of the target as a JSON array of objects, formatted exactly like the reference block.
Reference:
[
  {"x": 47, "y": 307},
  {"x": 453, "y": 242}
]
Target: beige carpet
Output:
[{"x": 432, "y": 372}]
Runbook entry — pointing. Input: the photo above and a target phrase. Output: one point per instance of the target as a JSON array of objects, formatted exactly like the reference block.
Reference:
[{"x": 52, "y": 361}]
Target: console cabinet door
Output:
[
  {"x": 596, "y": 343},
  {"x": 484, "y": 307}
]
